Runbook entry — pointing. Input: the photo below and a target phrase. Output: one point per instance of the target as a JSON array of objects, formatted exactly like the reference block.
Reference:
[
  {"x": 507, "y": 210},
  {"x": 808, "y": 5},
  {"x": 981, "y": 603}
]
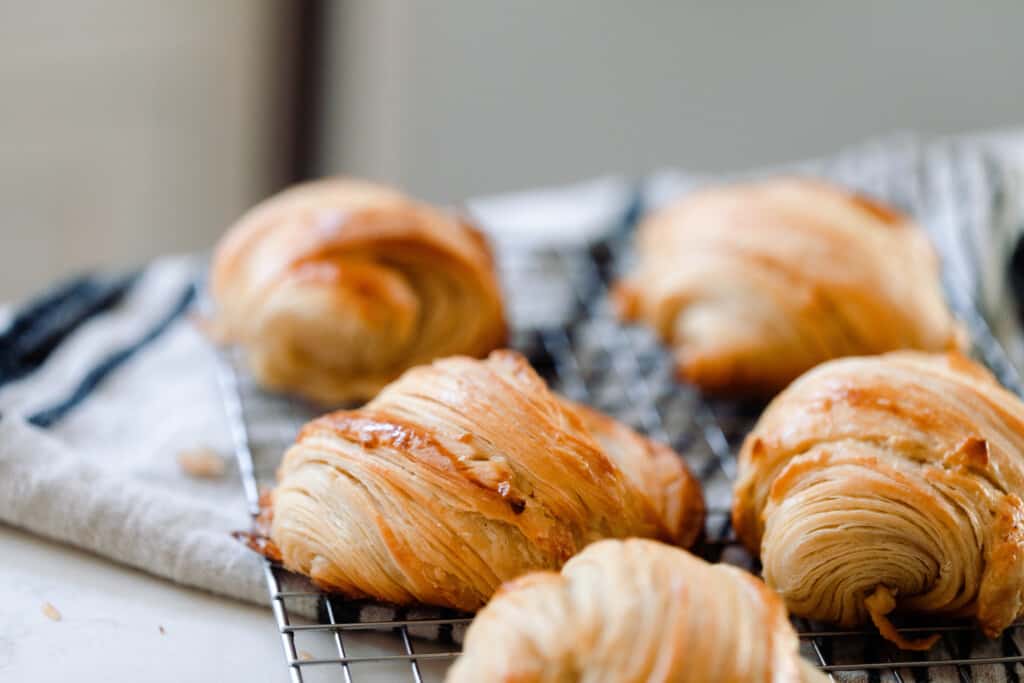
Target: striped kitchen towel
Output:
[{"x": 104, "y": 385}]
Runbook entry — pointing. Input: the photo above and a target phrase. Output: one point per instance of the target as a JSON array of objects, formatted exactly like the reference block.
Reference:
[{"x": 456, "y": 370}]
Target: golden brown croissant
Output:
[
  {"x": 754, "y": 284},
  {"x": 335, "y": 287},
  {"x": 889, "y": 483},
  {"x": 633, "y": 611},
  {"x": 464, "y": 474}
]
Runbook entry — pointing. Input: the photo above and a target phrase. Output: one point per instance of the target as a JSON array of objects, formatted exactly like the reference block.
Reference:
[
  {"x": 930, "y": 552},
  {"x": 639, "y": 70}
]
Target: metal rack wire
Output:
[{"x": 590, "y": 357}]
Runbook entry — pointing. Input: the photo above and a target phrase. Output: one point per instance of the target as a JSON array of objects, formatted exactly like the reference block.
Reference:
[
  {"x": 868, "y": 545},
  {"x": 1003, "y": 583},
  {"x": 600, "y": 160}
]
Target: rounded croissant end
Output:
[
  {"x": 838, "y": 527},
  {"x": 1001, "y": 597},
  {"x": 633, "y": 611},
  {"x": 889, "y": 484},
  {"x": 370, "y": 311},
  {"x": 676, "y": 497},
  {"x": 334, "y": 288}
]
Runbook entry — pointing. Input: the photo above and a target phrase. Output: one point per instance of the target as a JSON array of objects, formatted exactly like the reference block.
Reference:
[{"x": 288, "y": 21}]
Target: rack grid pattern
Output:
[{"x": 590, "y": 357}]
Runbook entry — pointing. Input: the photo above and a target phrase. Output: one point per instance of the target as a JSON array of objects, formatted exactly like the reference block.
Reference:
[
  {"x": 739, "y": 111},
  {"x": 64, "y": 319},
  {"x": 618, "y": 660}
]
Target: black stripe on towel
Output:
[
  {"x": 49, "y": 416},
  {"x": 38, "y": 328}
]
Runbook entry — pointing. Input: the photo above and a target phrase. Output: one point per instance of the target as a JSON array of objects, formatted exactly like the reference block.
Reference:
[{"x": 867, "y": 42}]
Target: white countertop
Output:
[
  {"x": 111, "y": 616},
  {"x": 110, "y": 628},
  {"x": 110, "y": 623}
]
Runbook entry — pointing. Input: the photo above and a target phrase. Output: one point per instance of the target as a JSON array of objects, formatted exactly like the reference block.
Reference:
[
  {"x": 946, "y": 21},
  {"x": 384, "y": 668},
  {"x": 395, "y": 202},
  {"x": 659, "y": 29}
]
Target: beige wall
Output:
[
  {"x": 131, "y": 128},
  {"x": 460, "y": 97}
]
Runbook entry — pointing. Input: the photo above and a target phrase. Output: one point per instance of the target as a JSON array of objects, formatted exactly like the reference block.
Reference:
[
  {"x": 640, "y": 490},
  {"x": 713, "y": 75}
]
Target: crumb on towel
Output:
[
  {"x": 51, "y": 612},
  {"x": 204, "y": 463}
]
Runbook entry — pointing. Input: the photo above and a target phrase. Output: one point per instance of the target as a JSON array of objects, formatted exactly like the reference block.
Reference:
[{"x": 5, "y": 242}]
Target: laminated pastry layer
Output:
[
  {"x": 631, "y": 612},
  {"x": 885, "y": 484},
  {"x": 464, "y": 474},
  {"x": 753, "y": 284},
  {"x": 334, "y": 288}
]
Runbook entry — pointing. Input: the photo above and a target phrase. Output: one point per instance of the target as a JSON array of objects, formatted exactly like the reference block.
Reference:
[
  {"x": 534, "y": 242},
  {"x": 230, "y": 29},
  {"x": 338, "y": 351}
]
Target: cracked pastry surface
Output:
[
  {"x": 633, "y": 611},
  {"x": 335, "y": 287},
  {"x": 463, "y": 474},
  {"x": 753, "y": 284},
  {"x": 889, "y": 484}
]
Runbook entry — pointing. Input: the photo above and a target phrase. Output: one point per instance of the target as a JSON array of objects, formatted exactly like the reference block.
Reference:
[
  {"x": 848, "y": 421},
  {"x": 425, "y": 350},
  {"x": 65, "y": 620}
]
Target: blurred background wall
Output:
[{"x": 132, "y": 128}]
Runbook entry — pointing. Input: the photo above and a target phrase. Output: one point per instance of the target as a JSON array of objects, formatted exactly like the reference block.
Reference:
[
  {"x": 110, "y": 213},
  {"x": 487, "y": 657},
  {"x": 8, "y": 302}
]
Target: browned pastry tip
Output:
[
  {"x": 335, "y": 287},
  {"x": 634, "y": 611},
  {"x": 753, "y": 284},
  {"x": 463, "y": 474},
  {"x": 626, "y": 300},
  {"x": 887, "y": 484}
]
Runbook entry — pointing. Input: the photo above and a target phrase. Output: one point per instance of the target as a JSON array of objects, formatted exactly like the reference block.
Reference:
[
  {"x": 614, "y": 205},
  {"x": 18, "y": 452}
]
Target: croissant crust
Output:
[
  {"x": 885, "y": 484},
  {"x": 335, "y": 287},
  {"x": 633, "y": 611},
  {"x": 464, "y": 474},
  {"x": 753, "y": 284}
]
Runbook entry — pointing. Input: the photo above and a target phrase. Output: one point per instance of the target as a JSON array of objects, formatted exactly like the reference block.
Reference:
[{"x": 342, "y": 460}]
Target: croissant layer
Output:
[
  {"x": 633, "y": 611},
  {"x": 890, "y": 483},
  {"x": 753, "y": 284},
  {"x": 337, "y": 286},
  {"x": 464, "y": 474}
]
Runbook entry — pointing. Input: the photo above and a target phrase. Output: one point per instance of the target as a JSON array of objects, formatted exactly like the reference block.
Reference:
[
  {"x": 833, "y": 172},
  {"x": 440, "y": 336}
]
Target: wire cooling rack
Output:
[{"x": 583, "y": 351}]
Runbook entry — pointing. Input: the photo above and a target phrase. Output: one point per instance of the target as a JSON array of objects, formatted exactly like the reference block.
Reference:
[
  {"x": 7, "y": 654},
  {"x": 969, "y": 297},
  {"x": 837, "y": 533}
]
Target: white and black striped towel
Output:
[
  {"x": 104, "y": 381},
  {"x": 102, "y": 384}
]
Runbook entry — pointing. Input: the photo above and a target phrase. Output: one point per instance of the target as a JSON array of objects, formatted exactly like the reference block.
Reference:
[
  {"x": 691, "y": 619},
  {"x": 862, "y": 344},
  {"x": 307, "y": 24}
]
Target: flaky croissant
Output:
[
  {"x": 335, "y": 287},
  {"x": 464, "y": 474},
  {"x": 889, "y": 483},
  {"x": 753, "y": 284},
  {"x": 633, "y": 611}
]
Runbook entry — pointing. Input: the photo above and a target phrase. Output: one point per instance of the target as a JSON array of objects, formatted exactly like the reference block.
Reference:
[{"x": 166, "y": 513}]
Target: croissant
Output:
[
  {"x": 889, "y": 483},
  {"x": 463, "y": 474},
  {"x": 633, "y": 611},
  {"x": 335, "y": 287},
  {"x": 753, "y": 284}
]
